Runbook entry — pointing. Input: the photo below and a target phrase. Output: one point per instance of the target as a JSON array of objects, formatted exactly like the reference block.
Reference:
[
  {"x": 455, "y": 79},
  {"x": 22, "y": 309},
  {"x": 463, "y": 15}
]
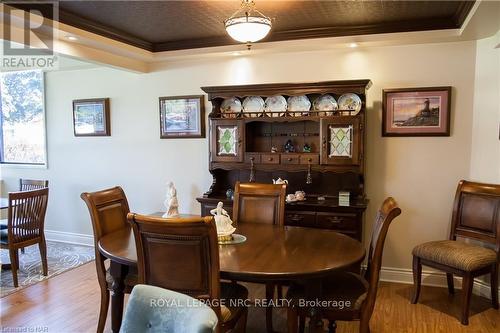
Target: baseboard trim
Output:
[
  {"x": 431, "y": 278},
  {"x": 69, "y": 237}
]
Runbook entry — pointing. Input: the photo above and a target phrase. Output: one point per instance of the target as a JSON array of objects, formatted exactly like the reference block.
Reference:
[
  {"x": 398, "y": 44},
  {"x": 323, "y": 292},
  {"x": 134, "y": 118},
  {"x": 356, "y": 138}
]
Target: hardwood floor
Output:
[{"x": 69, "y": 303}]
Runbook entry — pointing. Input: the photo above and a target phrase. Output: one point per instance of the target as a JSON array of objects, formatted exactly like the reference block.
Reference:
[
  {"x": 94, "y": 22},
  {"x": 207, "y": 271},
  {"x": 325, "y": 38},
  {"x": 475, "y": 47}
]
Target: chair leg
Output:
[
  {"x": 103, "y": 312},
  {"x": 14, "y": 263},
  {"x": 291, "y": 316},
  {"x": 43, "y": 254},
  {"x": 451, "y": 286},
  {"x": 364, "y": 324},
  {"x": 417, "y": 279},
  {"x": 332, "y": 326},
  {"x": 494, "y": 286},
  {"x": 467, "y": 283},
  {"x": 302, "y": 324},
  {"x": 269, "y": 309}
]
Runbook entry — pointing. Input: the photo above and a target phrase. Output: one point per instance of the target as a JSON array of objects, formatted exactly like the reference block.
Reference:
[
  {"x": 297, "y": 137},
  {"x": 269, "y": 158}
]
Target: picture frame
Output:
[
  {"x": 416, "y": 111},
  {"x": 91, "y": 117},
  {"x": 182, "y": 117}
]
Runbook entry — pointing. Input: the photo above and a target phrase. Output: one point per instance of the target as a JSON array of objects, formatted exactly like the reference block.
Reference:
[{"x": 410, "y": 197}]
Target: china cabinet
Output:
[{"x": 313, "y": 142}]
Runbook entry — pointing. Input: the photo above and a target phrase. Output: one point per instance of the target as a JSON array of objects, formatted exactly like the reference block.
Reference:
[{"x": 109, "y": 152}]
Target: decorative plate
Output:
[
  {"x": 232, "y": 104},
  {"x": 253, "y": 104},
  {"x": 236, "y": 239},
  {"x": 325, "y": 103},
  {"x": 350, "y": 102},
  {"x": 299, "y": 103},
  {"x": 276, "y": 103}
]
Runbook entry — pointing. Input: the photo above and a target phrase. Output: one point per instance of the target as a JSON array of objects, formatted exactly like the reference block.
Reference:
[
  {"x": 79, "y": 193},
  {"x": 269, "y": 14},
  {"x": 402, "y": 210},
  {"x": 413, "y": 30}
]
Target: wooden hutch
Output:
[{"x": 241, "y": 143}]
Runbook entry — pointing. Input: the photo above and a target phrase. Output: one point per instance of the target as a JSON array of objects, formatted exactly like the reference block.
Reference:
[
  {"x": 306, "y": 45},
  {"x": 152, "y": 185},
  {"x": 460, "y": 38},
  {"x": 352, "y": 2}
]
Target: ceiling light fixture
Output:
[
  {"x": 72, "y": 38},
  {"x": 353, "y": 45},
  {"x": 248, "y": 25}
]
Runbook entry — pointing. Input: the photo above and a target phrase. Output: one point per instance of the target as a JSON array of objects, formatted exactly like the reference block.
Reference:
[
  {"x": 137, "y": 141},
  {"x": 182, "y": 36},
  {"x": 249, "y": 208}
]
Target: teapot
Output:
[{"x": 280, "y": 181}]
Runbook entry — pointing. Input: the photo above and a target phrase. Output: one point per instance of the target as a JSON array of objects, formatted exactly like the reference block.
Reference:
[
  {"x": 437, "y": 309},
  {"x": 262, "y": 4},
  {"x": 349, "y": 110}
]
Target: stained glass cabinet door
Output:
[
  {"x": 227, "y": 140},
  {"x": 340, "y": 138}
]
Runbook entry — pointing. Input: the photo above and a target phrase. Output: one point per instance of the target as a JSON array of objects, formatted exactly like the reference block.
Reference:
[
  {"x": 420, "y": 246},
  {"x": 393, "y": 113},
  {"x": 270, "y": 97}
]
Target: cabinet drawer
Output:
[
  {"x": 300, "y": 219},
  {"x": 289, "y": 159},
  {"x": 310, "y": 158},
  {"x": 270, "y": 159},
  {"x": 249, "y": 156},
  {"x": 337, "y": 221}
]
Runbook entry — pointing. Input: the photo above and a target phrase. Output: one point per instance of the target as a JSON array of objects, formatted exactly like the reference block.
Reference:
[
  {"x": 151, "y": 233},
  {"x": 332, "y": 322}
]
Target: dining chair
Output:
[
  {"x": 182, "y": 254},
  {"x": 31, "y": 184},
  {"x": 261, "y": 203},
  {"x": 155, "y": 309},
  {"x": 108, "y": 212},
  {"x": 358, "y": 291},
  {"x": 25, "y": 226},
  {"x": 476, "y": 217}
]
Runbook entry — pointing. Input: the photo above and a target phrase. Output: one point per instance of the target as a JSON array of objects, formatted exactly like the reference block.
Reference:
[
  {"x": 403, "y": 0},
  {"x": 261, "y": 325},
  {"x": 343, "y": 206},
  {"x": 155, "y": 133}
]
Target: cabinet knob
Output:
[
  {"x": 289, "y": 159},
  {"x": 252, "y": 158},
  {"x": 309, "y": 160},
  {"x": 335, "y": 220},
  {"x": 270, "y": 159}
]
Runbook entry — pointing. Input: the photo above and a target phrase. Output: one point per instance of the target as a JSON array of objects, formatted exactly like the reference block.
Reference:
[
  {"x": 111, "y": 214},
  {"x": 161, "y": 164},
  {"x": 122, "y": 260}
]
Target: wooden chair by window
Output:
[
  {"x": 144, "y": 309},
  {"x": 25, "y": 226},
  {"x": 361, "y": 291},
  {"x": 261, "y": 203},
  {"x": 182, "y": 254},
  {"x": 476, "y": 216},
  {"x": 30, "y": 184},
  {"x": 108, "y": 211}
]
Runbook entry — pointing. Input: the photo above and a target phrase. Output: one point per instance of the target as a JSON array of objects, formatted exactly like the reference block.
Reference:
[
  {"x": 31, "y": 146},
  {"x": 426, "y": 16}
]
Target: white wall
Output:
[
  {"x": 485, "y": 157},
  {"x": 421, "y": 173}
]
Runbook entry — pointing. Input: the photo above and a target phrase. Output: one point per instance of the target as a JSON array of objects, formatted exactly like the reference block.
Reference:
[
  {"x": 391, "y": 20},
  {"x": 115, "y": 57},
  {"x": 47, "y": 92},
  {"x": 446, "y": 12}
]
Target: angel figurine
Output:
[
  {"x": 171, "y": 202},
  {"x": 223, "y": 222}
]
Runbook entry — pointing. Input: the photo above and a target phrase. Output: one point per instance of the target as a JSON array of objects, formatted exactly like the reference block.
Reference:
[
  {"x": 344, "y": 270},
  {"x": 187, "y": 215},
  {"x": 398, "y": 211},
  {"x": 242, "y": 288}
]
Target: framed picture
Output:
[
  {"x": 182, "y": 117},
  {"x": 91, "y": 117},
  {"x": 416, "y": 111}
]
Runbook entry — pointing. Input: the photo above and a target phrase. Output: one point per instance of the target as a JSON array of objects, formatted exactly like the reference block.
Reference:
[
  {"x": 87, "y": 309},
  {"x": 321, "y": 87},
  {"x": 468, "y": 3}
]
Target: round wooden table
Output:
[{"x": 269, "y": 253}]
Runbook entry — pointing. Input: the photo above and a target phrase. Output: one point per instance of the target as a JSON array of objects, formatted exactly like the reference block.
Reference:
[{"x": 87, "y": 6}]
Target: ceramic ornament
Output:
[{"x": 171, "y": 202}]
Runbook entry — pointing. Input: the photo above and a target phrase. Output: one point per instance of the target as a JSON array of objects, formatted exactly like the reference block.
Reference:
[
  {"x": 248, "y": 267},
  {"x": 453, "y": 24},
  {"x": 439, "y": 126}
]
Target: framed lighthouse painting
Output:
[{"x": 416, "y": 111}]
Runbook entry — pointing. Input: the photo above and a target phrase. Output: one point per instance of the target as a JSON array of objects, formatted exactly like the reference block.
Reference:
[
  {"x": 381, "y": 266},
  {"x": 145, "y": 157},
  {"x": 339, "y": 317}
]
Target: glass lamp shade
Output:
[{"x": 248, "y": 29}]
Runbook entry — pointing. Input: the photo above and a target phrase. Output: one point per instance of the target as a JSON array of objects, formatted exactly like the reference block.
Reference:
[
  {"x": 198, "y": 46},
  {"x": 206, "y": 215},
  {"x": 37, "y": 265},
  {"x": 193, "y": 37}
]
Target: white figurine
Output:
[
  {"x": 171, "y": 202},
  {"x": 223, "y": 222},
  {"x": 280, "y": 181}
]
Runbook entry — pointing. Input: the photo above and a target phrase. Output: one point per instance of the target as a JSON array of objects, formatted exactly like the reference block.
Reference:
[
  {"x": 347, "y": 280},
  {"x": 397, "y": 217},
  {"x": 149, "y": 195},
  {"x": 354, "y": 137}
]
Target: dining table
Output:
[{"x": 269, "y": 253}]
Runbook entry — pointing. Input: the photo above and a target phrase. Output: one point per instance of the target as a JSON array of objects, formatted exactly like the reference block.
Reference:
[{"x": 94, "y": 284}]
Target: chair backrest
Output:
[
  {"x": 259, "y": 203},
  {"x": 108, "y": 211},
  {"x": 180, "y": 254},
  {"x": 387, "y": 212},
  {"x": 163, "y": 310},
  {"x": 31, "y": 184},
  {"x": 26, "y": 215},
  {"x": 476, "y": 212}
]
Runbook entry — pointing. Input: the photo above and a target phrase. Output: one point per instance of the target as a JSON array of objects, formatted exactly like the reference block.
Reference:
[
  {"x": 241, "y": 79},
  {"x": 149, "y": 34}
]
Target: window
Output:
[{"x": 22, "y": 118}]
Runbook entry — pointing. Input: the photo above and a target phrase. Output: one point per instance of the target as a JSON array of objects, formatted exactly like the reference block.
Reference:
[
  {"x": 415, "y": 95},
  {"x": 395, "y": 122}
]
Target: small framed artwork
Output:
[
  {"x": 182, "y": 117},
  {"x": 416, "y": 111},
  {"x": 91, "y": 117}
]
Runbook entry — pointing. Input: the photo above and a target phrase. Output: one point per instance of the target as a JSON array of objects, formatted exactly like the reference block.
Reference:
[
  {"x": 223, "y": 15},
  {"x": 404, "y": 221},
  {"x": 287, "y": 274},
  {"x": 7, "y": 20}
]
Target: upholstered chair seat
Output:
[
  {"x": 153, "y": 309},
  {"x": 457, "y": 254}
]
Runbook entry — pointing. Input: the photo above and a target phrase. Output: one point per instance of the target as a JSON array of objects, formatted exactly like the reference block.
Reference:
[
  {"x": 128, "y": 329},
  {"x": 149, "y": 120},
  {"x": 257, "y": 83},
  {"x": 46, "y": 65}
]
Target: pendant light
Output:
[{"x": 248, "y": 25}]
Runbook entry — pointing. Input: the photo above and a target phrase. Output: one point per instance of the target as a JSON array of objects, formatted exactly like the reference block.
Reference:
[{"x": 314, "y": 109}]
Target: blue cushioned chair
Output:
[{"x": 153, "y": 309}]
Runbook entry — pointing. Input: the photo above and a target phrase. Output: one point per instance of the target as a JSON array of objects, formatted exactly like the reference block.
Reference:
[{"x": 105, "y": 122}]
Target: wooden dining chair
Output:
[
  {"x": 359, "y": 290},
  {"x": 25, "y": 226},
  {"x": 182, "y": 254},
  {"x": 261, "y": 203},
  {"x": 31, "y": 184},
  {"x": 476, "y": 216},
  {"x": 108, "y": 212}
]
